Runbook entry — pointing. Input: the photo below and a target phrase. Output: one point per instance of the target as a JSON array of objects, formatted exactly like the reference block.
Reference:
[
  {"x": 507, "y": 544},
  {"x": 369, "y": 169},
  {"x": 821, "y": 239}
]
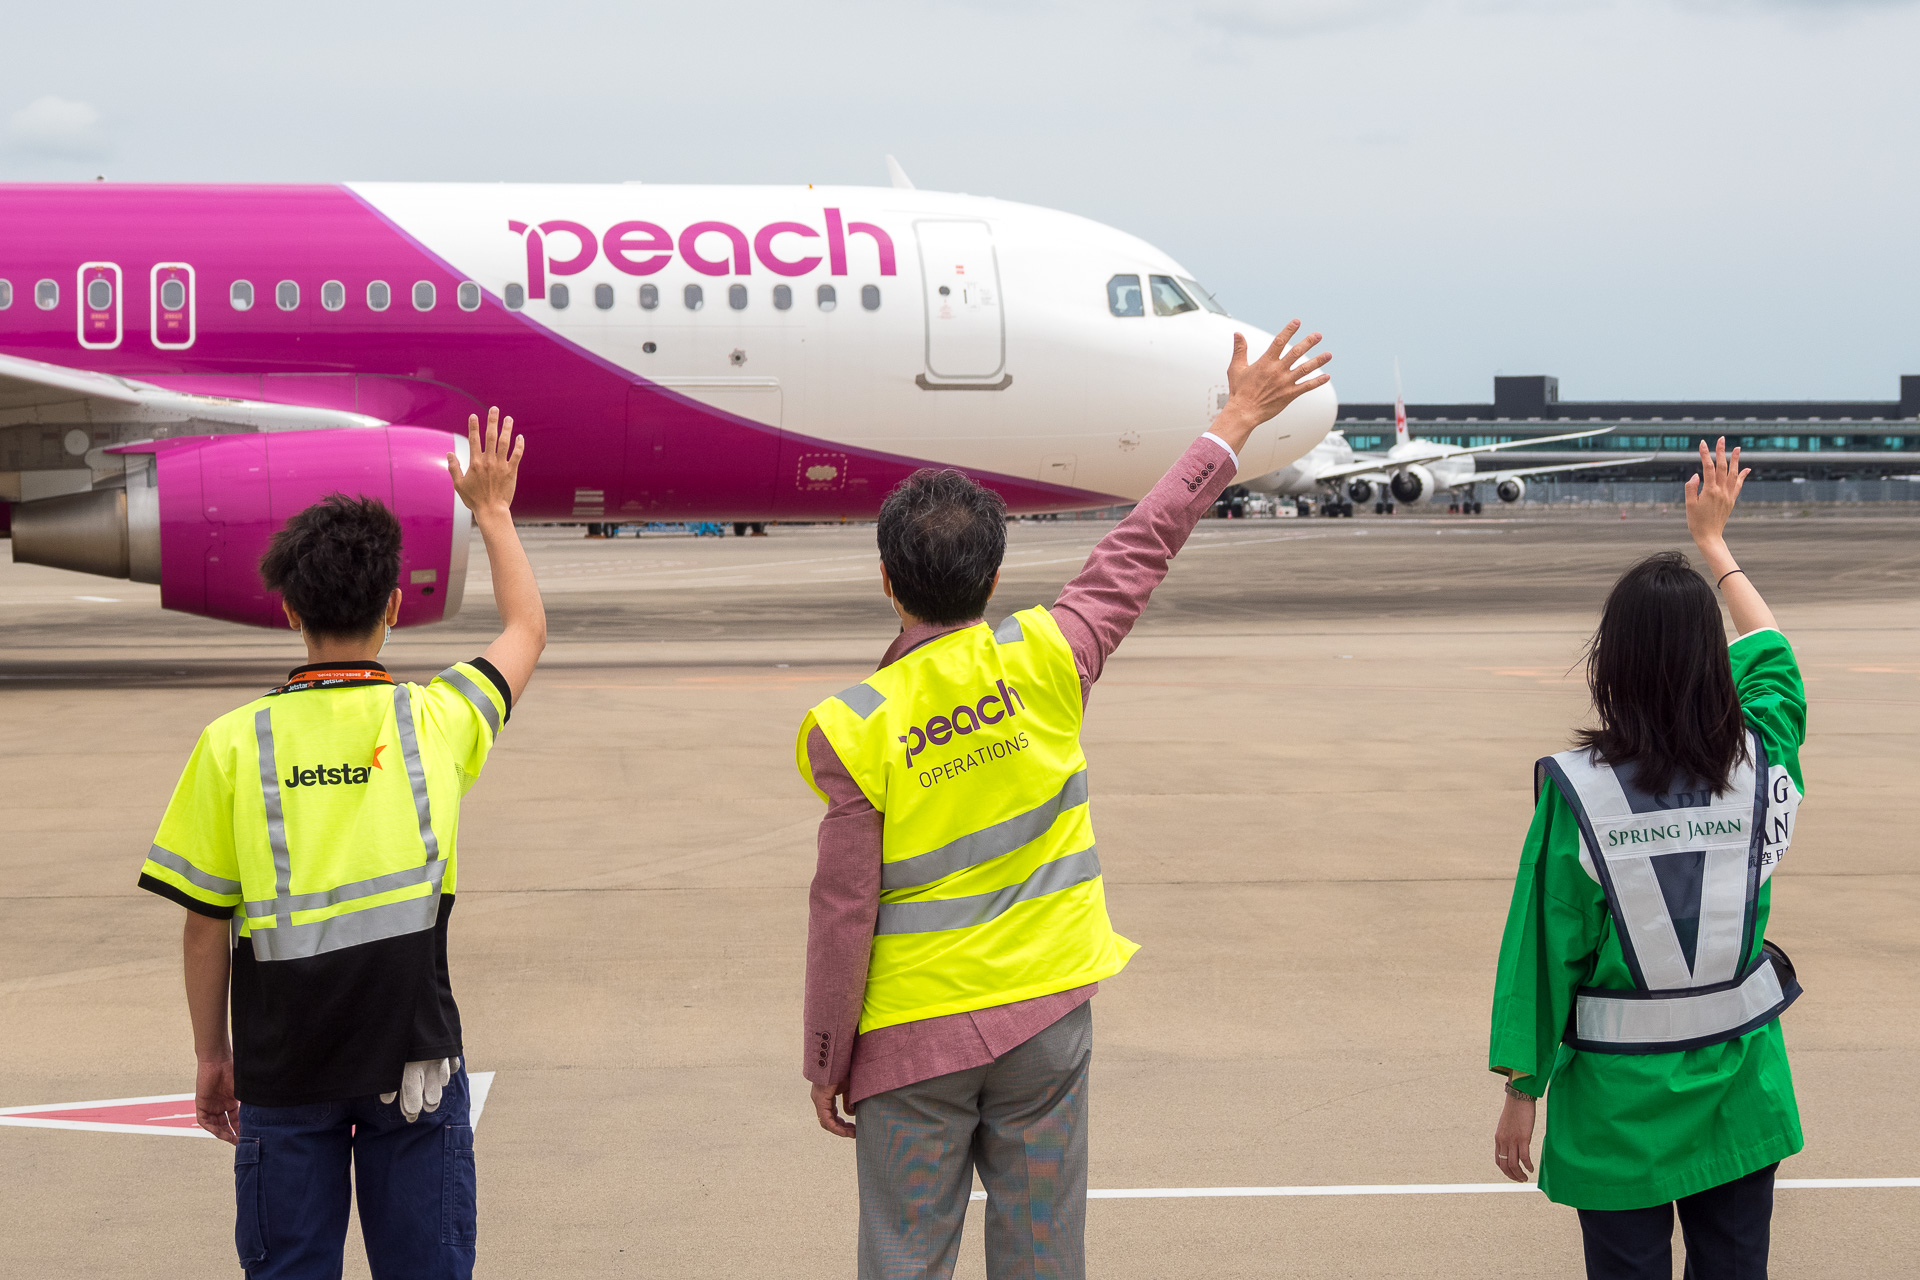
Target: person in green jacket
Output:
[{"x": 1634, "y": 978}]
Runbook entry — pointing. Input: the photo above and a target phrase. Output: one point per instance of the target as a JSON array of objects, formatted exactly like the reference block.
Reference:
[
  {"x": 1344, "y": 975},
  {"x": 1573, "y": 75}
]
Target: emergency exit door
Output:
[
  {"x": 171, "y": 303},
  {"x": 966, "y": 329},
  {"x": 99, "y": 306}
]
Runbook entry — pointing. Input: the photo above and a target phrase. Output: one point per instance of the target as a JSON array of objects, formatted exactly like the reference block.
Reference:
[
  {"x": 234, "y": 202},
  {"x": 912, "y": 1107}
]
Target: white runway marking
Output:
[{"x": 1433, "y": 1189}]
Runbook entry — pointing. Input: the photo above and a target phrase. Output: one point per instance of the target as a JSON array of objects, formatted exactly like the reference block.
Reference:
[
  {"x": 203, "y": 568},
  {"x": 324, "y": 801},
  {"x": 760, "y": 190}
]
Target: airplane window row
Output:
[
  {"x": 693, "y": 297},
  {"x": 333, "y": 295},
  {"x": 1171, "y": 296}
]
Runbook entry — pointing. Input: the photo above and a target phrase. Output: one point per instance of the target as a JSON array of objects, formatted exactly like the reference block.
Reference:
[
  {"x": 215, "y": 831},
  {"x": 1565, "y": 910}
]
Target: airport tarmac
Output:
[{"x": 1311, "y": 769}]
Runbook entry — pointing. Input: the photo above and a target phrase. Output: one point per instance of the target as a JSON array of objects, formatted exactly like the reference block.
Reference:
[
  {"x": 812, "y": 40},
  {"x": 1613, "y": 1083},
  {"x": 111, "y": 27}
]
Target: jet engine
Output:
[
  {"x": 196, "y": 512},
  {"x": 1360, "y": 490},
  {"x": 1411, "y": 484},
  {"x": 1511, "y": 489}
]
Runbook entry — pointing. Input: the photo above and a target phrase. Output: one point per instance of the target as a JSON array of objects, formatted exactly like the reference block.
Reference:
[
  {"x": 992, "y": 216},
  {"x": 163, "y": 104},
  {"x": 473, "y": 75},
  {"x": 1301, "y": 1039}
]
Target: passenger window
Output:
[
  {"x": 1207, "y": 300},
  {"x": 603, "y": 296},
  {"x": 1123, "y": 296},
  {"x": 558, "y": 296},
  {"x": 827, "y": 297},
  {"x": 1169, "y": 299},
  {"x": 46, "y": 295},
  {"x": 737, "y": 296},
  {"x": 286, "y": 295},
  {"x": 695, "y": 297},
  {"x": 240, "y": 294},
  {"x": 379, "y": 296},
  {"x": 870, "y": 296},
  {"x": 6, "y": 294},
  {"x": 782, "y": 297},
  {"x": 423, "y": 295},
  {"x": 173, "y": 296},
  {"x": 469, "y": 296},
  {"x": 99, "y": 294},
  {"x": 649, "y": 296},
  {"x": 333, "y": 295},
  {"x": 516, "y": 296}
]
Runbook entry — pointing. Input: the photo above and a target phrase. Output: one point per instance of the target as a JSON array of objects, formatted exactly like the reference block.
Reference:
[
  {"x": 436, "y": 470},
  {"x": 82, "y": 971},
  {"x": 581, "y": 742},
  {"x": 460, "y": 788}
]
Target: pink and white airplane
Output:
[{"x": 183, "y": 367}]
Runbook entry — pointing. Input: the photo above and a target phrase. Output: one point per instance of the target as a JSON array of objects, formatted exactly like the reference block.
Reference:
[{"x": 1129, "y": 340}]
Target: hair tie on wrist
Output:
[{"x": 1728, "y": 574}]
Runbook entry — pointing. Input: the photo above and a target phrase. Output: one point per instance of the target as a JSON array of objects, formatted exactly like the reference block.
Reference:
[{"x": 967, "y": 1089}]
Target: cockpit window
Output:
[
  {"x": 1169, "y": 299},
  {"x": 1123, "y": 296},
  {"x": 1207, "y": 300}
]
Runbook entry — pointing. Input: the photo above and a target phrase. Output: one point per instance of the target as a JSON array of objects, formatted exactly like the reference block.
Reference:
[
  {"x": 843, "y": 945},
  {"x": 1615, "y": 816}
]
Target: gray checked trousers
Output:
[{"x": 1021, "y": 1121}]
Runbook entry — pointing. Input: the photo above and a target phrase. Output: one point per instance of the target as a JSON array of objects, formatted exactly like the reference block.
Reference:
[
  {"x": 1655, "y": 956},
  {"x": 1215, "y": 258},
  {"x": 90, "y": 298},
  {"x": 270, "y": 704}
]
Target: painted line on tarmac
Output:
[
  {"x": 1432, "y": 1189},
  {"x": 169, "y": 1114}
]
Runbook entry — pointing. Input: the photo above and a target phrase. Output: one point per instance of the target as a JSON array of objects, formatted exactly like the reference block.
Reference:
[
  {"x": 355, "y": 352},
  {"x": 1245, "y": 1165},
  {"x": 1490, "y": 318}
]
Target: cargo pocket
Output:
[
  {"x": 458, "y": 1208},
  {"x": 250, "y": 1223}
]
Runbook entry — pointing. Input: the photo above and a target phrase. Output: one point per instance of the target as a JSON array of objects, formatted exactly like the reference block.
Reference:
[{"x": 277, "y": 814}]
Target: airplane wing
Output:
[
  {"x": 1493, "y": 477},
  {"x": 35, "y": 392},
  {"x": 1530, "y": 441},
  {"x": 1374, "y": 469},
  {"x": 1381, "y": 469}
]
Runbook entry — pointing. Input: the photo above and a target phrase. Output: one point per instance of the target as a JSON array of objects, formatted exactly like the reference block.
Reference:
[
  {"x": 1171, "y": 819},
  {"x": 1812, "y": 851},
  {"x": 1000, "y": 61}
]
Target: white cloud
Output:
[{"x": 55, "y": 126}]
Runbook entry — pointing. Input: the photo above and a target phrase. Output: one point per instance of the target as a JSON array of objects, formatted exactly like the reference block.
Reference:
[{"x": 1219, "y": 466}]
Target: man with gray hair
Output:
[{"x": 958, "y": 924}]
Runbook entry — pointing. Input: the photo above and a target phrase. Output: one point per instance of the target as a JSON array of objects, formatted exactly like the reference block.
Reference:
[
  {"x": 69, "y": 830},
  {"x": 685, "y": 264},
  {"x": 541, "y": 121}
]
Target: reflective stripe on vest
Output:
[
  {"x": 1681, "y": 874},
  {"x": 969, "y": 746}
]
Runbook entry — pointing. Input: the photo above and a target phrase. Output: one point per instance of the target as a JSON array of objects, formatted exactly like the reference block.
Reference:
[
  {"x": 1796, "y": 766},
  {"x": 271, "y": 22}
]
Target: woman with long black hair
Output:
[{"x": 1635, "y": 978}]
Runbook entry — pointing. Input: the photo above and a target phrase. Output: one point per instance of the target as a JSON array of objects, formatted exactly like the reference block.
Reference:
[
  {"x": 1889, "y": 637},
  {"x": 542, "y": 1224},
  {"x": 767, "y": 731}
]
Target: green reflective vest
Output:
[{"x": 990, "y": 888}]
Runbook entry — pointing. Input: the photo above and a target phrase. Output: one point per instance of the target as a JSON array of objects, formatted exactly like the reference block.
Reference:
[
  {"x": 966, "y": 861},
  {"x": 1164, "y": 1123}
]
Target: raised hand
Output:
[
  {"x": 1712, "y": 493},
  {"x": 493, "y": 467},
  {"x": 1259, "y": 389}
]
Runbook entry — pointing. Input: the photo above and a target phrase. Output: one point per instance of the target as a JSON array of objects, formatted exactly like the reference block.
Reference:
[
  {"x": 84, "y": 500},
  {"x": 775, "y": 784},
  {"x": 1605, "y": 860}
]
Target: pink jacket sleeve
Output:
[
  {"x": 1099, "y": 607},
  {"x": 841, "y": 909}
]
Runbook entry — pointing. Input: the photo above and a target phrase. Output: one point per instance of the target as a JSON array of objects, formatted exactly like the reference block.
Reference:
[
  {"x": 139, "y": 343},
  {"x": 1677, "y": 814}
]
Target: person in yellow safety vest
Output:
[
  {"x": 312, "y": 841},
  {"x": 958, "y": 923}
]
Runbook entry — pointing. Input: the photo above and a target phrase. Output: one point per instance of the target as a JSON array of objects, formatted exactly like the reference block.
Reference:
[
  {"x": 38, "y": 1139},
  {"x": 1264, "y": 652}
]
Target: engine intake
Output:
[
  {"x": 196, "y": 514},
  {"x": 1411, "y": 484},
  {"x": 1511, "y": 489}
]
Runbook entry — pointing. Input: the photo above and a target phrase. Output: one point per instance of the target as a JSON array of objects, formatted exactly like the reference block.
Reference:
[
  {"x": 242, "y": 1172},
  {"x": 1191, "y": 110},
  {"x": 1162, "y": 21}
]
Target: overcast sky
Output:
[{"x": 1648, "y": 198}]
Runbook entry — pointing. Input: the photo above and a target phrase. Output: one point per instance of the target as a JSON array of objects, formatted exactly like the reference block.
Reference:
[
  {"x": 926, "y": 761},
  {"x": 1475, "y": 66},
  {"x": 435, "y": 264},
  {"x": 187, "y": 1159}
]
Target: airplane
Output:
[
  {"x": 1410, "y": 472},
  {"x": 184, "y": 367}
]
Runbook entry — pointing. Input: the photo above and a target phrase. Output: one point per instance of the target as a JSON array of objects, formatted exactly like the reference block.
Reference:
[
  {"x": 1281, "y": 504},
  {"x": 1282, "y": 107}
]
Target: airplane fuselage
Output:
[{"x": 671, "y": 352}]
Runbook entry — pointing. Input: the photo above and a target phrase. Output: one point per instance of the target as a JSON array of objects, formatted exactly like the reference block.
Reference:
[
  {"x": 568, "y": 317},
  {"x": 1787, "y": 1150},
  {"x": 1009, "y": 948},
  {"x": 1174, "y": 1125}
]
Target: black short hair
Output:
[
  {"x": 942, "y": 538},
  {"x": 1662, "y": 681},
  {"x": 336, "y": 563}
]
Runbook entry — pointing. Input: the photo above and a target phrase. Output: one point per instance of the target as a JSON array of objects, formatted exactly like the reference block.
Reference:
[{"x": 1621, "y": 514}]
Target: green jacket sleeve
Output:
[
  {"x": 1553, "y": 933},
  {"x": 1772, "y": 694}
]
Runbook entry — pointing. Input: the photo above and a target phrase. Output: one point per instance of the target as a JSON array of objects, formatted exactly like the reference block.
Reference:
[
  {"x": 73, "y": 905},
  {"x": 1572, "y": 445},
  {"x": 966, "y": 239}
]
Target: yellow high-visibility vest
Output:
[
  {"x": 990, "y": 887},
  {"x": 325, "y": 814}
]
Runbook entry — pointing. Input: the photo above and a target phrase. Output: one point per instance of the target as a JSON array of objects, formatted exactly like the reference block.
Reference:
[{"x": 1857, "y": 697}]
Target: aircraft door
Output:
[
  {"x": 99, "y": 306},
  {"x": 171, "y": 304},
  {"x": 960, "y": 278}
]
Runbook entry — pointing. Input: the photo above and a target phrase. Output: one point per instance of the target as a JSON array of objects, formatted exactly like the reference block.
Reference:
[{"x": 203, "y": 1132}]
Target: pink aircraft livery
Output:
[{"x": 183, "y": 367}]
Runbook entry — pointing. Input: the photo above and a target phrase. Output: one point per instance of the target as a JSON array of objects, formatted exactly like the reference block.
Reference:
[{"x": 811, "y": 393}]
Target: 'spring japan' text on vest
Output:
[{"x": 1682, "y": 875}]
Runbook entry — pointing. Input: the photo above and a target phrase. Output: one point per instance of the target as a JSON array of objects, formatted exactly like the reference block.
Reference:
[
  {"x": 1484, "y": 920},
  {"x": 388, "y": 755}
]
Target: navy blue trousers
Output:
[
  {"x": 1727, "y": 1229},
  {"x": 415, "y": 1182}
]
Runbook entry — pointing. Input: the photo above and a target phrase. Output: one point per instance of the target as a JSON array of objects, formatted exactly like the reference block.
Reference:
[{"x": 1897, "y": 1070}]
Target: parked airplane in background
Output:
[
  {"x": 183, "y": 367},
  {"x": 1412, "y": 471}
]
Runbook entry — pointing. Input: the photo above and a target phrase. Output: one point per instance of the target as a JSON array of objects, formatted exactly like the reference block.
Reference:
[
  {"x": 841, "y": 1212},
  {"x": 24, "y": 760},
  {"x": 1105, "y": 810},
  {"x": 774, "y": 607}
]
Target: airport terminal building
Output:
[{"x": 1780, "y": 439}]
